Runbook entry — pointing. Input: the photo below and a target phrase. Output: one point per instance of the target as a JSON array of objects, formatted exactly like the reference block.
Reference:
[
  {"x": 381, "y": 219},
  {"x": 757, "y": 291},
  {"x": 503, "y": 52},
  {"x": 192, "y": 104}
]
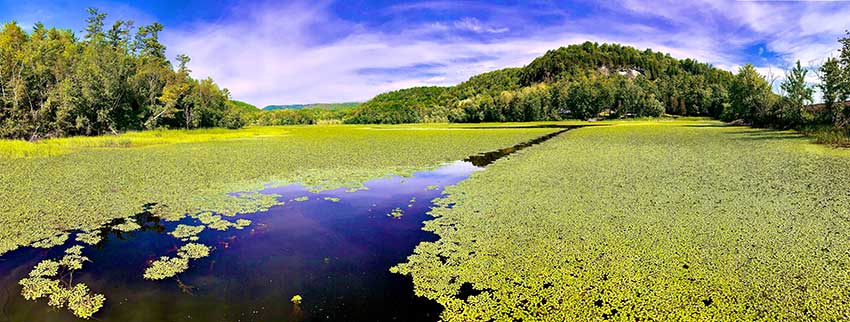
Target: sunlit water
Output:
[{"x": 336, "y": 255}]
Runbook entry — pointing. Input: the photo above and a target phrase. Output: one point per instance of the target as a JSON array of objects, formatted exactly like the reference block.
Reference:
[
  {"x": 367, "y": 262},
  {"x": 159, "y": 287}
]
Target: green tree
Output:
[
  {"x": 53, "y": 84},
  {"x": 797, "y": 95},
  {"x": 750, "y": 96},
  {"x": 94, "y": 29},
  {"x": 841, "y": 83},
  {"x": 831, "y": 88}
]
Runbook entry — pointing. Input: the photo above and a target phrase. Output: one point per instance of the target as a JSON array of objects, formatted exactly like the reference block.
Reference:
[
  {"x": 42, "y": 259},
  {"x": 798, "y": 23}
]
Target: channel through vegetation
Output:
[{"x": 683, "y": 220}]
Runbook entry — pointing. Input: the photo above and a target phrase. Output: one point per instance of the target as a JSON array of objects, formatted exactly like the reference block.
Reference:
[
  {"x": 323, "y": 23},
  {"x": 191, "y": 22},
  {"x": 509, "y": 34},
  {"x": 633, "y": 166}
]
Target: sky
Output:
[{"x": 273, "y": 52}]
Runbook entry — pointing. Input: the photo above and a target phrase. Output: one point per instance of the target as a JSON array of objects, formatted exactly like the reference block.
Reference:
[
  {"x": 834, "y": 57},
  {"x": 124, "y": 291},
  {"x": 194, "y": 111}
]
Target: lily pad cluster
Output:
[
  {"x": 51, "y": 241},
  {"x": 396, "y": 213},
  {"x": 44, "y": 282},
  {"x": 187, "y": 232},
  {"x": 90, "y": 238},
  {"x": 217, "y": 223},
  {"x": 166, "y": 267}
]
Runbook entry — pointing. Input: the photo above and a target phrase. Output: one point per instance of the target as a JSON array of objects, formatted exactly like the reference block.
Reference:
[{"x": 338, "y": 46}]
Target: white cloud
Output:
[
  {"x": 272, "y": 55},
  {"x": 474, "y": 25}
]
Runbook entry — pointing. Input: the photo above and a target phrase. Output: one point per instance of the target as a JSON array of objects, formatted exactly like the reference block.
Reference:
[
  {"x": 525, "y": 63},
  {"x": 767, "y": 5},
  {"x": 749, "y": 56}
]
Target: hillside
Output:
[
  {"x": 243, "y": 107},
  {"x": 574, "y": 82},
  {"x": 322, "y": 106}
]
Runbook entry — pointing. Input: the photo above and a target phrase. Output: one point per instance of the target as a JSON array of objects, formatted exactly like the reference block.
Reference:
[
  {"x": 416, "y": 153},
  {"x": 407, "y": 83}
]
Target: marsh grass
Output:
[
  {"x": 52, "y": 147},
  {"x": 831, "y": 136}
]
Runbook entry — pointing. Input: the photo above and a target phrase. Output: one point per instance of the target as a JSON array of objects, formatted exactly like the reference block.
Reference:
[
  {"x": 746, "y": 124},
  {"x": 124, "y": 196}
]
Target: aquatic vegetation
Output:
[
  {"x": 332, "y": 199},
  {"x": 242, "y": 223},
  {"x": 127, "y": 226},
  {"x": 166, "y": 267},
  {"x": 90, "y": 238},
  {"x": 38, "y": 287},
  {"x": 186, "y": 172},
  {"x": 73, "y": 259},
  {"x": 397, "y": 213},
  {"x": 213, "y": 221},
  {"x": 645, "y": 221},
  {"x": 303, "y": 198},
  {"x": 207, "y": 218},
  {"x": 186, "y": 231},
  {"x": 42, "y": 282},
  {"x": 194, "y": 251},
  {"x": 221, "y": 225},
  {"x": 52, "y": 241},
  {"x": 296, "y": 299},
  {"x": 83, "y": 303},
  {"x": 45, "y": 268},
  {"x": 432, "y": 187}
]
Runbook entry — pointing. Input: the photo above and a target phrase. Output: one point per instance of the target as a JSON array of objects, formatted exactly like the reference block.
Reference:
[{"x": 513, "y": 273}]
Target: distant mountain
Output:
[{"x": 322, "y": 106}]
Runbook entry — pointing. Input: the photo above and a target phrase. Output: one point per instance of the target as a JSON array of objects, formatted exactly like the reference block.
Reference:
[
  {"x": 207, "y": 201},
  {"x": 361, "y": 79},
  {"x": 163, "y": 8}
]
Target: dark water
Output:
[
  {"x": 335, "y": 255},
  {"x": 486, "y": 158}
]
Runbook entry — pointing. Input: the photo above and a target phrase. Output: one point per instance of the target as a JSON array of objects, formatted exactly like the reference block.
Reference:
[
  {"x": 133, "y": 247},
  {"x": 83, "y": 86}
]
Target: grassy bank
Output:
[
  {"x": 79, "y": 183},
  {"x": 646, "y": 221}
]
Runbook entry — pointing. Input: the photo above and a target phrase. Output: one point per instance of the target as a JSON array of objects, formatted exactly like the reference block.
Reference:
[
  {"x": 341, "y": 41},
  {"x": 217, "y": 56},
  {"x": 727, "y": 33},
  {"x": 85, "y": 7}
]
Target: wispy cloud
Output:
[
  {"x": 474, "y": 25},
  {"x": 303, "y": 52}
]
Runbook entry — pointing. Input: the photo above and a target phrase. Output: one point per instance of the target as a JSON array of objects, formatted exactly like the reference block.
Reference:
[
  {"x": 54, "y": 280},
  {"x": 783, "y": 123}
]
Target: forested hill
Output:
[
  {"x": 577, "y": 81},
  {"x": 54, "y": 83}
]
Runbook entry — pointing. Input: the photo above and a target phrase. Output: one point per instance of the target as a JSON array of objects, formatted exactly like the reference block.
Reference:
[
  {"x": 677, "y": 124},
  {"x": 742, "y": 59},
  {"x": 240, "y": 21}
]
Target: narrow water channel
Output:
[{"x": 335, "y": 254}]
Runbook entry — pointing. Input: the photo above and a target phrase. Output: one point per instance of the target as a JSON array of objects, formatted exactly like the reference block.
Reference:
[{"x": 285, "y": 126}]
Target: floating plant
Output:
[
  {"x": 680, "y": 220},
  {"x": 52, "y": 241},
  {"x": 44, "y": 281},
  {"x": 90, "y": 238},
  {"x": 186, "y": 231},
  {"x": 166, "y": 267},
  {"x": 127, "y": 226},
  {"x": 397, "y": 213},
  {"x": 218, "y": 167}
]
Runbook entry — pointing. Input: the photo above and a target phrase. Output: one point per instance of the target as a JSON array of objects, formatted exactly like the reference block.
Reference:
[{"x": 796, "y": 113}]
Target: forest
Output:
[
  {"x": 590, "y": 81},
  {"x": 55, "y": 84}
]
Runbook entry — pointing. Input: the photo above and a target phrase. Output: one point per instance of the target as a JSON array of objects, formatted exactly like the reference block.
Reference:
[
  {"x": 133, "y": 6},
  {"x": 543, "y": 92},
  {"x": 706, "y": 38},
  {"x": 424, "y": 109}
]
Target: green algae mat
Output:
[
  {"x": 646, "y": 221},
  {"x": 55, "y": 186}
]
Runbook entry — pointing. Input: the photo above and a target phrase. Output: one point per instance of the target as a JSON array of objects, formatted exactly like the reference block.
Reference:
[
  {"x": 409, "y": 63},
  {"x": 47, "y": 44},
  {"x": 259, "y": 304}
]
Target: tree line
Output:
[
  {"x": 590, "y": 81},
  {"x": 54, "y": 84}
]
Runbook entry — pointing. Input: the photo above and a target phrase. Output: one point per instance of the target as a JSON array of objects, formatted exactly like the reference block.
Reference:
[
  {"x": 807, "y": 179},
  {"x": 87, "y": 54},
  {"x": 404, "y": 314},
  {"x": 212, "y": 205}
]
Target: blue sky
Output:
[{"x": 269, "y": 52}]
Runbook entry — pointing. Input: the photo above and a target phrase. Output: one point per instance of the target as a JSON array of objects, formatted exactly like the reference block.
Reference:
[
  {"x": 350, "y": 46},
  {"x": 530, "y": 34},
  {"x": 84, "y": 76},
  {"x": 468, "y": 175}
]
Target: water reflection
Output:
[{"x": 335, "y": 255}]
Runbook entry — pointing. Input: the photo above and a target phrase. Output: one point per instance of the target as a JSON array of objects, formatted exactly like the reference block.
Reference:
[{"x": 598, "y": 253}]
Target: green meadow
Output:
[
  {"x": 53, "y": 186},
  {"x": 644, "y": 221}
]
